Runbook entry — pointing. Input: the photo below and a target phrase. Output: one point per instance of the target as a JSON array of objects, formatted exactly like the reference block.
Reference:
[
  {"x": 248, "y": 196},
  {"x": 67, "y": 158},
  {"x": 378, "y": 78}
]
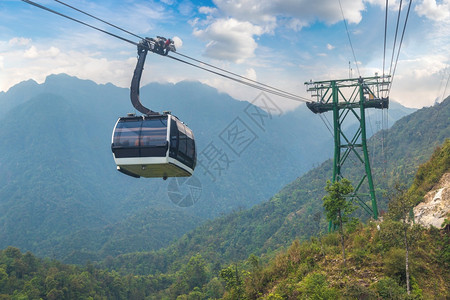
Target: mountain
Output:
[
  {"x": 62, "y": 197},
  {"x": 296, "y": 211},
  {"x": 309, "y": 269},
  {"x": 376, "y": 255}
]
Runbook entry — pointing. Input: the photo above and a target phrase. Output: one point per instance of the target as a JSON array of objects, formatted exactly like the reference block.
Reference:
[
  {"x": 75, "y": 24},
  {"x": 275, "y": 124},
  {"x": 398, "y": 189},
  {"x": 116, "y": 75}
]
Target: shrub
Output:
[
  {"x": 388, "y": 288},
  {"x": 315, "y": 286}
]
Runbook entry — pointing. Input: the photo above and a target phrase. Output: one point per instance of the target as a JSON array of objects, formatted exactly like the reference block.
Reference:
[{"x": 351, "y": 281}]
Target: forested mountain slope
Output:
[
  {"x": 61, "y": 196},
  {"x": 376, "y": 266},
  {"x": 296, "y": 211},
  {"x": 310, "y": 269}
]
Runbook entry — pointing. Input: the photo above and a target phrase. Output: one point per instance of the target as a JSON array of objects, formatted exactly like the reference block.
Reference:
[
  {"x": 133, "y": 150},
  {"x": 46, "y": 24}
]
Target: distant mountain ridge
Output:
[{"x": 60, "y": 184}]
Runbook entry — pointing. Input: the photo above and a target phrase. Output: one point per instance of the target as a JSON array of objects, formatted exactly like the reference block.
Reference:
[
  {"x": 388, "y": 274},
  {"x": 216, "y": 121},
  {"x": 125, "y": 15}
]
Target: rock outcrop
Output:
[{"x": 436, "y": 205}]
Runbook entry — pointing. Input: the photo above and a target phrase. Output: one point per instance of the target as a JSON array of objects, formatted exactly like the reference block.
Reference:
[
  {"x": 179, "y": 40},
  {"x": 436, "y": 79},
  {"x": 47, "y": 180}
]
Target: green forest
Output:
[
  {"x": 309, "y": 269},
  {"x": 277, "y": 249}
]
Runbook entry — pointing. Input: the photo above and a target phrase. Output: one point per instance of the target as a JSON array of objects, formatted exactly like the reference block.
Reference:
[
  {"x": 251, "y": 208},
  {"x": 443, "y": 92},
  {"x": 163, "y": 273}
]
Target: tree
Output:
[
  {"x": 400, "y": 206},
  {"x": 234, "y": 280},
  {"x": 338, "y": 206},
  {"x": 196, "y": 272}
]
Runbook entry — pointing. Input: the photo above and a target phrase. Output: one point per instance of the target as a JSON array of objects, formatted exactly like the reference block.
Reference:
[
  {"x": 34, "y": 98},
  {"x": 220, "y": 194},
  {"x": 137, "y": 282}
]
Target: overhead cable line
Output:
[
  {"x": 240, "y": 76},
  {"x": 186, "y": 56},
  {"x": 445, "y": 88},
  {"x": 271, "y": 91},
  {"x": 92, "y": 16},
  {"x": 349, "y": 39},
  {"x": 385, "y": 34},
  {"x": 400, "y": 45},
  {"x": 395, "y": 37},
  {"x": 325, "y": 121},
  {"x": 78, "y": 21},
  {"x": 255, "y": 84}
]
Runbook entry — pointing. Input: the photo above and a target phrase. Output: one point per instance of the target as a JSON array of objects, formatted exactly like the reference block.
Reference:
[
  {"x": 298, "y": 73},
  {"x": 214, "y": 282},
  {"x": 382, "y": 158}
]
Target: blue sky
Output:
[{"x": 280, "y": 42}]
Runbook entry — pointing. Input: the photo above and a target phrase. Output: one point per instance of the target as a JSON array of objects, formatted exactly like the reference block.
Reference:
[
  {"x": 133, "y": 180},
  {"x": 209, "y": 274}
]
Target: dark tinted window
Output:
[
  {"x": 127, "y": 134},
  {"x": 173, "y": 139},
  {"x": 182, "y": 139},
  {"x": 190, "y": 152},
  {"x": 182, "y": 144},
  {"x": 154, "y": 133},
  {"x": 126, "y": 138}
]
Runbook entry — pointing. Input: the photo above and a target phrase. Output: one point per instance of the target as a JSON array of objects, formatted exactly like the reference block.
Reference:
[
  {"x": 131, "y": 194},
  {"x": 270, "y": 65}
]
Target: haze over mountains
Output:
[{"x": 60, "y": 192}]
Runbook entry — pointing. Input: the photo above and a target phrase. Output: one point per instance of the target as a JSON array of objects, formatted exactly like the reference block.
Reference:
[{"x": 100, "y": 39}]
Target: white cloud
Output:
[
  {"x": 193, "y": 22},
  {"x": 207, "y": 10},
  {"x": 296, "y": 24},
  {"x": 33, "y": 52},
  {"x": 433, "y": 11},
  {"x": 232, "y": 36},
  {"x": 265, "y": 12},
  {"x": 38, "y": 61},
  {"x": 186, "y": 7},
  {"x": 19, "y": 41},
  {"x": 250, "y": 73},
  {"x": 330, "y": 47},
  {"x": 417, "y": 80},
  {"x": 230, "y": 39},
  {"x": 178, "y": 42},
  {"x": 393, "y": 5}
]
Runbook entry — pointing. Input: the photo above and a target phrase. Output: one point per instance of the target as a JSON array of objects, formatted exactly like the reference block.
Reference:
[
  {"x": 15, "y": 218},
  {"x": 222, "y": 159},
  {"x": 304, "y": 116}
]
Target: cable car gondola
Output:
[{"x": 154, "y": 144}]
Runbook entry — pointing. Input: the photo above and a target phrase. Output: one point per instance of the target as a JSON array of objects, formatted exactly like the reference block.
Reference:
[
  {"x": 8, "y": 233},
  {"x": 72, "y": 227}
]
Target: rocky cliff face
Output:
[{"x": 436, "y": 205}]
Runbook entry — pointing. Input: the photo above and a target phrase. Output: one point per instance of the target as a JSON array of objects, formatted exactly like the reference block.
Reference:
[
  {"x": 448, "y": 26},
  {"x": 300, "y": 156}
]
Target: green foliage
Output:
[
  {"x": 23, "y": 276},
  {"x": 430, "y": 172},
  {"x": 62, "y": 183},
  {"x": 294, "y": 213},
  {"x": 355, "y": 290},
  {"x": 196, "y": 272},
  {"x": 388, "y": 288},
  {"x": 315, "y": 286},
  {"x": 234, "y": 279},
  {"x": 309, "y": 269},
  {"x": 394, "y": 264},
  {"x": 337, "y": 206}
]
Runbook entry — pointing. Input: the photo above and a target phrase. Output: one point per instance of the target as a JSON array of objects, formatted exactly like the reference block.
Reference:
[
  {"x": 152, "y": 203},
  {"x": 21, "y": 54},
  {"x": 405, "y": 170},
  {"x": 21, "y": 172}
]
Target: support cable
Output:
[
  {"x": 445, "y": 88},
  {"x": 349, "y": 40},
  {"x": 385, "y": 35},
  {"x": 92, "y": 16},
  {"x": 395, "y": 37},
  {"x": 184, "y": 55},
  {"x": 240, "y": 76},
  {"x": 328, "y": 127},
  {"x": 256, "y": 84},
  {"x": 271, "y": 91},
  {"x": 400, "y": 45},
  {"x": 78, "y": 21}
]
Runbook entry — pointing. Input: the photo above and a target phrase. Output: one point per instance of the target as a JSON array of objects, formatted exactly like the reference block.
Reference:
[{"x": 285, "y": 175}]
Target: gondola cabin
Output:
[{"x": 153, "y": 146}]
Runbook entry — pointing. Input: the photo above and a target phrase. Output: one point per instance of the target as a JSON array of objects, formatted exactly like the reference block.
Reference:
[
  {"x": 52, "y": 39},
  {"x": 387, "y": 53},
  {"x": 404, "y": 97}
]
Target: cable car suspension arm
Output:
[{"x": 161, "y": 46}]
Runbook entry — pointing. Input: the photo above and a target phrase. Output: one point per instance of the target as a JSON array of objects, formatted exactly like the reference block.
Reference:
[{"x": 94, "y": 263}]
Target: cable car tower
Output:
[{"x": 349, "y": 98}]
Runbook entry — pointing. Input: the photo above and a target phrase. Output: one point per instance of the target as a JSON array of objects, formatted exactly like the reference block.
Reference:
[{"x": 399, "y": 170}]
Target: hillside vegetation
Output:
[
  {"x": 305, "y": 270},
  {"x": 376, "y": 265},
  {"x": 296, "y": 211},
  {"x": 59, "y": 177}
]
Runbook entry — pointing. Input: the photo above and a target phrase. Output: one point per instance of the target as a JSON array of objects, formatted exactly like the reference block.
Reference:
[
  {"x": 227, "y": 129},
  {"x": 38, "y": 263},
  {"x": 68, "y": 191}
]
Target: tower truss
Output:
[{"x": 348, "y": 100}]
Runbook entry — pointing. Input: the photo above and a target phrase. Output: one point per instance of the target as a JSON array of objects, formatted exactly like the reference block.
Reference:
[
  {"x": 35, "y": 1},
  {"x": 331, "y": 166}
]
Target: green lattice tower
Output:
[{"x": 348, "y": 98}]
